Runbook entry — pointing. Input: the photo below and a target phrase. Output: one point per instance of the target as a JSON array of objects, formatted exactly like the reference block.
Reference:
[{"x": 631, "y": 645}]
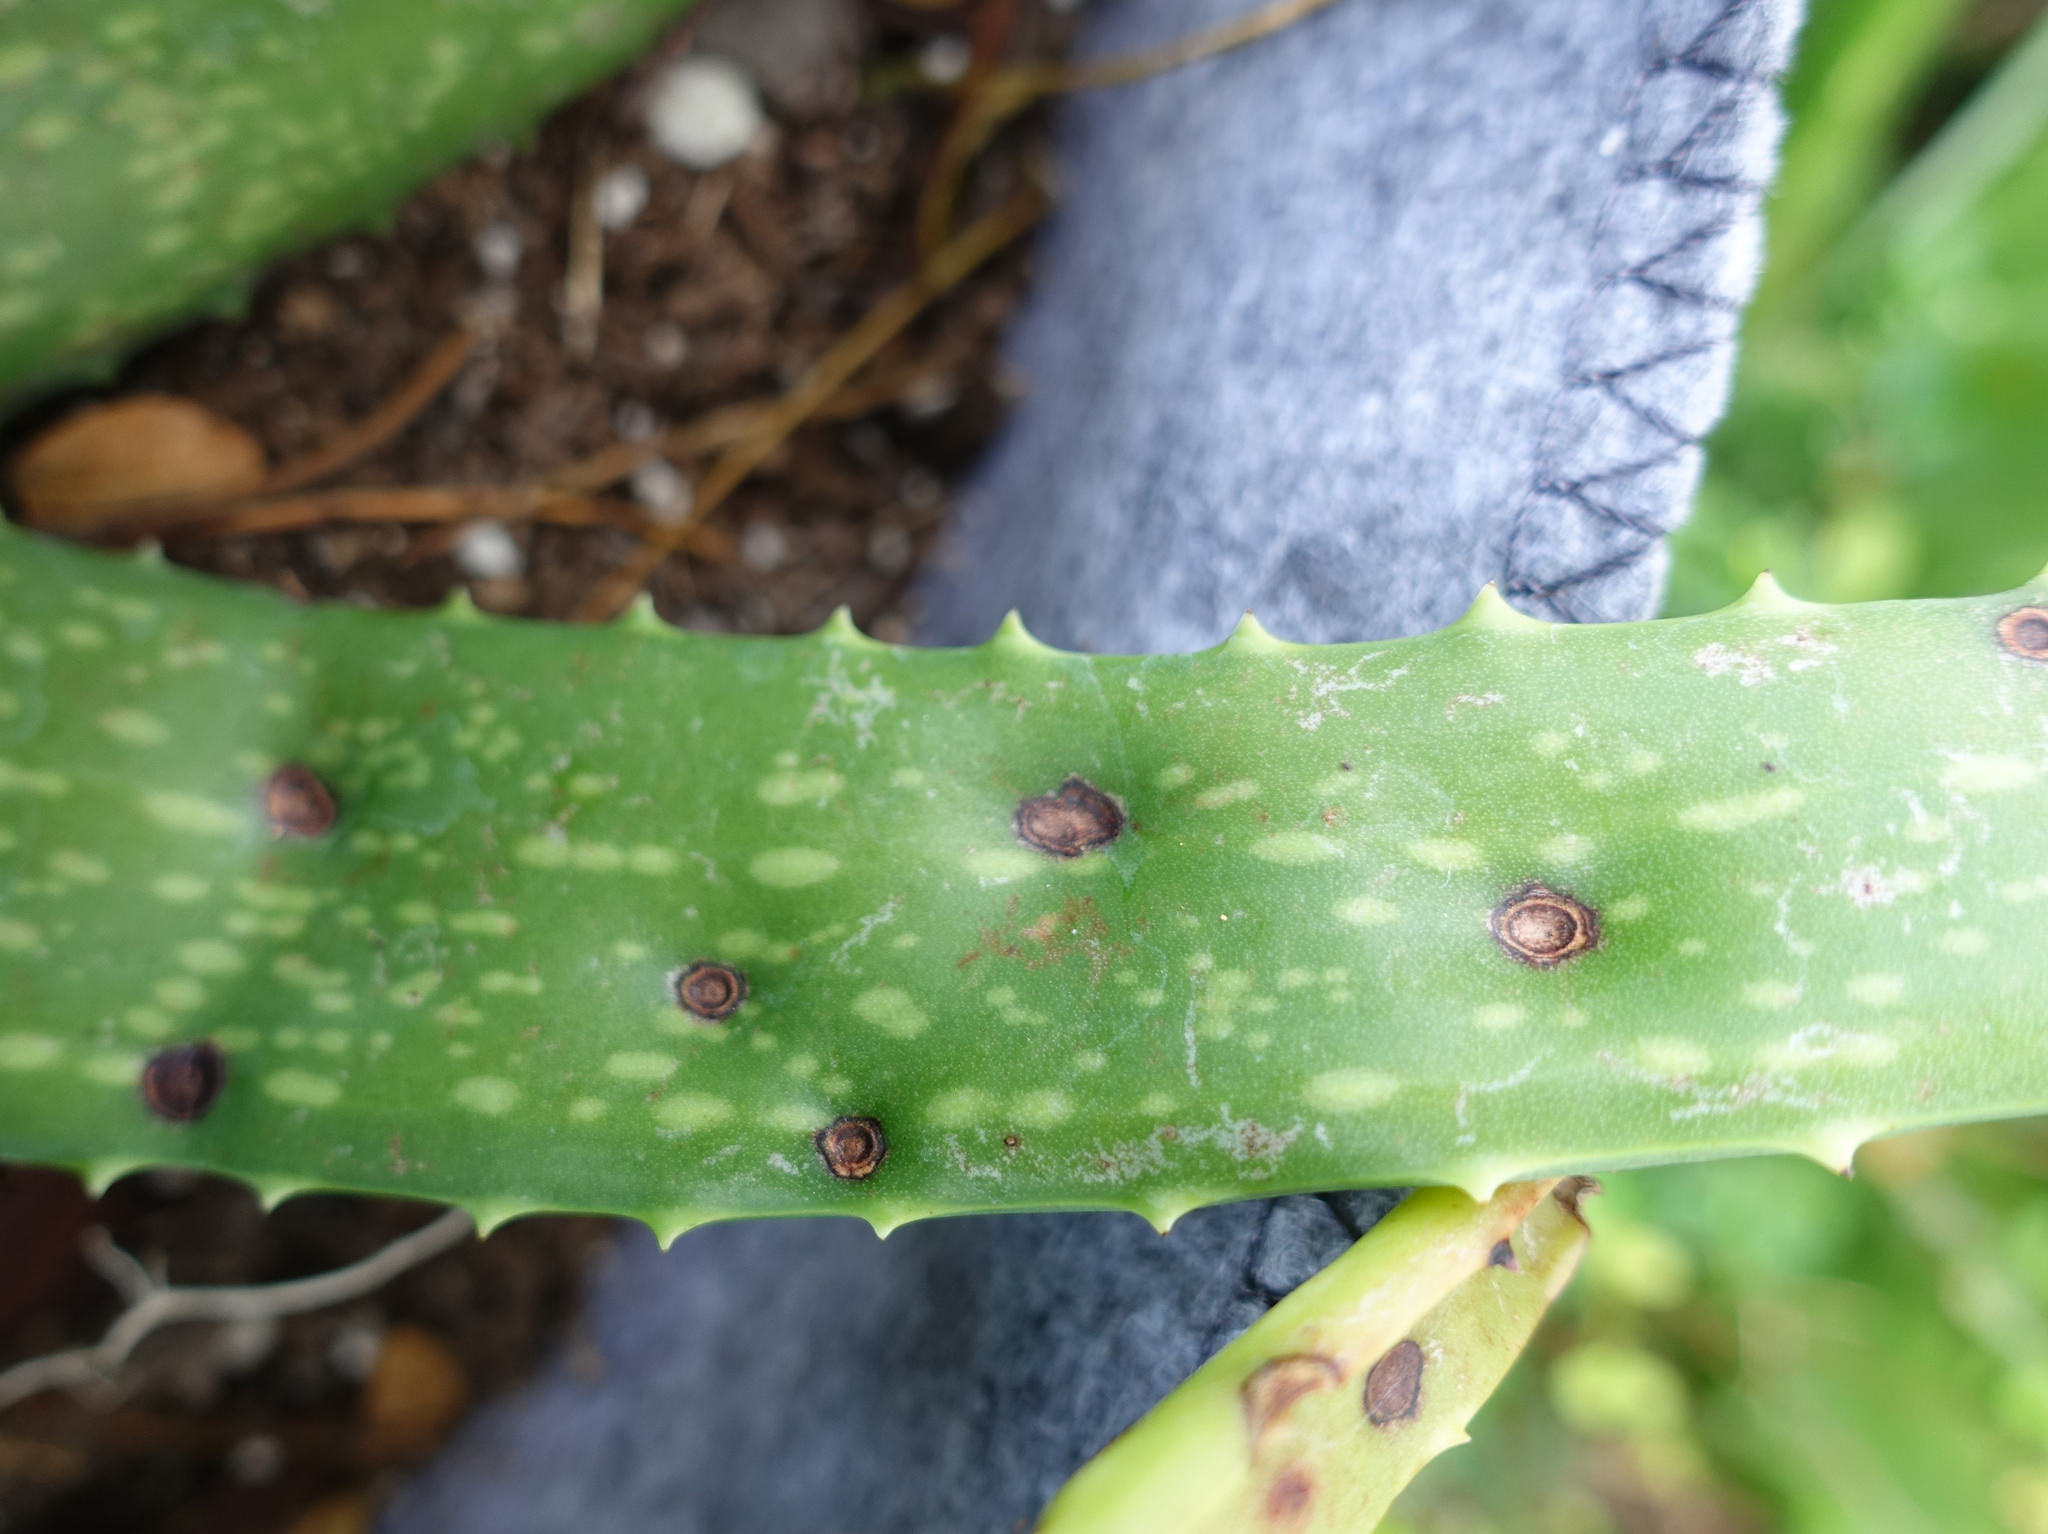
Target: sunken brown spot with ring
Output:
[
  {"x": 2024, "y": 632},
  {"x": 1279, "y": 1383},
  {"x": 182, "y": 1083},
  {"x": 1543, "y": 927},
  {"x": 852, "y": 1148},
  {"x": 1393, "y": 1386},
  {"x": 1077, "y": 819},
  {"x": 710, "y": 991},
  {"x": 297, "y": 803},
  {"x": 1288, "y": 1498}
]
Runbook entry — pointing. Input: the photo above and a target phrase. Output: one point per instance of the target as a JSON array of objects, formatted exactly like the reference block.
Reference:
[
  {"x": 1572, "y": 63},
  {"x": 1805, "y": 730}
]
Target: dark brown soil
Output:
[{"x": 724, "y": 289}]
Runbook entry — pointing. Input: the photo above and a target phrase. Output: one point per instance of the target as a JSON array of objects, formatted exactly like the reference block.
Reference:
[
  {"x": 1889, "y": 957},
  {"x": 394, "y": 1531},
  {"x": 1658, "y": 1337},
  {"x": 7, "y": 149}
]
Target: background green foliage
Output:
[{"x": 1758, "y": 1345}]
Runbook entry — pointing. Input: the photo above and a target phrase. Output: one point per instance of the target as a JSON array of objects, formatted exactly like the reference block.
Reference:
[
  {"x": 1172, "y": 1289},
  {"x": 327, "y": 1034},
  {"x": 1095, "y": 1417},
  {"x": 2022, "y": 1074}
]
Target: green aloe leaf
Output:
[
  {"x": 687, "y": 927},
  {"x": 153, "y": 153},
  {"x": 1331, "y": 1402}
]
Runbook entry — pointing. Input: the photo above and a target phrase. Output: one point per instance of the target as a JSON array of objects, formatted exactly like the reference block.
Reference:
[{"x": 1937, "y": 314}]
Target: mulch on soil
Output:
[{"x": 724, "y": 288}]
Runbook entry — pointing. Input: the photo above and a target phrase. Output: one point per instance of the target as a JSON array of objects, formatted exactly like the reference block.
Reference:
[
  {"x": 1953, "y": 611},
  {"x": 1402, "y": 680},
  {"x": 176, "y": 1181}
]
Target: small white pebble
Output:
[
  {"x": 634, "y": 421},
  {"x": 498, "y": 247},
  {"x": 659, "y": 486},
  {"x": 665, "y": 344},
  {"x": 930, "y": 397},
  {"x": 704, "y": 112},
  {"x": 763, "y": 547},
  {"x": 486, "y": 552},
  {"x": 889, "y": 549},
  {"x": 353, "y": 1352},
  {"x": 945, "y": 59},
  {"x": 621, "y": 196},
  {"x": 256, "y": 1460}
]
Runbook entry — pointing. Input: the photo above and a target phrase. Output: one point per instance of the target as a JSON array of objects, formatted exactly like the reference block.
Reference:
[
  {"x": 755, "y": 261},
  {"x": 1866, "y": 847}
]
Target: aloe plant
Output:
[
  {"x": 1331, "y": 1401},
  {"x": 230, "y": 131},
  {"x": 524, "y": 917}
]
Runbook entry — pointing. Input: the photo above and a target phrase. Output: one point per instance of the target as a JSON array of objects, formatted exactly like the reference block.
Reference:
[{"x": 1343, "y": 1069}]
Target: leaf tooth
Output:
[
  {"x": 671, "y": 1227},
  {"x": 460, "y": 607},
  {"x": 490, "y": 1213},
  {"x": 1251, "y": 635},
  {"x": 1494, "y": 613},
  {"x": 840, "y": 629},
  {"x": 1011, "y": 635},
  {"x": 641, "y": 618},
  {"x": 1834, "y": 1146},
  {"x": 103, "y": 1172},
  {"x": 272, "y": 1191},
  {"x": 1480, "y": 1180},
  {"x": 1164, "y": 1212},
  {"x": 1766, "y": 595}
]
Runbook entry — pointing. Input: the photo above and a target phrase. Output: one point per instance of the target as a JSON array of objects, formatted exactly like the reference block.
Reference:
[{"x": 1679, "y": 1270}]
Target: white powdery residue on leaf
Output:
[
  {"x": 1328, "y": 683},
  {"x": 1472, "y": 1089},
  {"x": 1746, "y": 666},
  {"x": 842, "y": 701},
  {"x": 1812, "y": 652}
]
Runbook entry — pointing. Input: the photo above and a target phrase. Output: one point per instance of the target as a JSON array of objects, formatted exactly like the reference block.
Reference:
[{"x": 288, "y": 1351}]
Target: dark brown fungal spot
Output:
[
  {"x": 1543, "y": 927},
  {"x": 1393, "y": 1386},
  {"x": 297, "y": 803},
  {"x": 852, "y": 1148},
  {"x": 2024, "y": 632},
  {"x": 1503, "y": 1256},
  {"x": 1280, "y": 1382},
  {"x": 1077, "y": 819},
  {"x": 709, "y": 990},
  {"x": 1770, "y": 766},
  {"x": 1289, "y": 1495},
  {"x": 182, "y": 1083},
  {"x": 1011, "y": 1142}
]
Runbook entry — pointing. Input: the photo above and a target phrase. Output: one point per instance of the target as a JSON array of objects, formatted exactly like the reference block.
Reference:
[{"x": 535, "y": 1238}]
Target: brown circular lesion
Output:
[
  {"x": 1544, "y": 927},
  {"x": 298, "y": 803},
  {"x": 1279, "y": 1382},
  {"x": 709, "y": 990},
  {"x": 182, "y": 1083},
  {"x": 1393, "y": 1386},
  {"x": 1076, "y": 818},
  {"x": 1290, "y": 1496},
  {"x": 852, "y": 1147},
  {"x": 2024, "y": 632}
]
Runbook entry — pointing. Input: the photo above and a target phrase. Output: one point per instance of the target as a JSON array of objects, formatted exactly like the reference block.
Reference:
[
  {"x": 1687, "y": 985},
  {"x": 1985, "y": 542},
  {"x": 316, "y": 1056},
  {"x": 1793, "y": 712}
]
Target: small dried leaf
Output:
[
  {"x": 81, "y": 475},
  {"x": 414, "y": 1396}
]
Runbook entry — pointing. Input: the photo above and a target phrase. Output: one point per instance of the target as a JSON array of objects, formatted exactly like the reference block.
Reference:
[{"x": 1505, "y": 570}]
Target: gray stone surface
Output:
[{"x": 1423, "y": 293}]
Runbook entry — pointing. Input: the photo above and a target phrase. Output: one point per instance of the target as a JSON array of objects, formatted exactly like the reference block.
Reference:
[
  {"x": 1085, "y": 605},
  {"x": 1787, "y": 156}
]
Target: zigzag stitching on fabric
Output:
[
  {"x": 1641, "y": 526},
  {"x": 1621, "y": 471},
  {"x": 1690, "y": 59},
  {"x": 1552, "y": 593},
  {"x": 1643, "y": 364}
]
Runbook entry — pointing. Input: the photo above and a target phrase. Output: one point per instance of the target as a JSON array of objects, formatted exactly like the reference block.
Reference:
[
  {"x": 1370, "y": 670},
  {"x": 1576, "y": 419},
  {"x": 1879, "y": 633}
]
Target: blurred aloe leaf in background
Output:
[
  {"x": 1886, "y": 438},
  {"x": 1758, "y": 1346}
]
